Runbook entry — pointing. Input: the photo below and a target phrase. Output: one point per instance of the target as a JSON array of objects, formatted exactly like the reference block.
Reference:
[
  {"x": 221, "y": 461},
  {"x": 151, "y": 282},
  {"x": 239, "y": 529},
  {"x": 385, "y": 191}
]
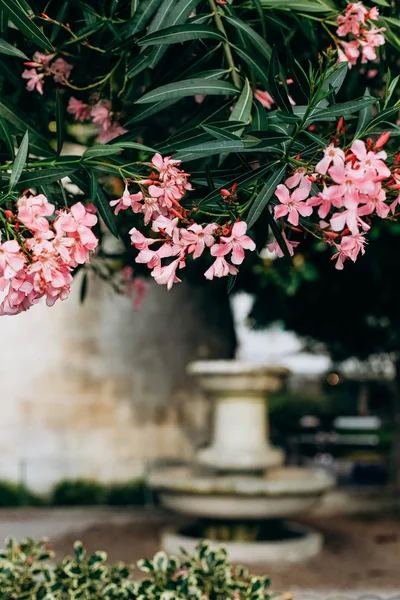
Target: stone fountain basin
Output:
[{"x": 280, "y": 493}]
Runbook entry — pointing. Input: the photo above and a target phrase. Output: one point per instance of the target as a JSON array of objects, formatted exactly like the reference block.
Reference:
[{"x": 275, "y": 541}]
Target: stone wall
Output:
[{"x": 99, "y": 390}]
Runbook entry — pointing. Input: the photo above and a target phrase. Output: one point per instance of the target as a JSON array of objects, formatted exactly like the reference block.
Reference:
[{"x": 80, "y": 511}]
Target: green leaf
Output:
[
  {"x": 253, "y": 37},
  {"x": 181, "y": 33},
  {"x": 176, "y": 16},
  {"x": 143, "y": 112},
  {"x": 103, "y": 205},
  {"x": 6, "y": 137},
  {"x": 307, "y": 6},
  {"x": 188, "y": 87},
  {"x": 277, "y": 234},
  {"x": 364, "y": 117},
  {"x": 142, "y": 16},
  {"x": 242, "y": 109},
  {"x": 6, "y": 48},
  {"x": 336, "y": 78},
  {"x": 277, "y": 86},
  {"x": 267, "y": 138},
  {"x": 264, "y": 196},
  {"x": 220, "y": 134},
  {"x": 254, "y": 63},
  {"x": 101, "y": 150},
  {"x": 59, "y": 121},
  {"x": 341, "y": 109},
  {"x": 138, "y": 64},
  {"x": 211, "y": 148},
  {"x": 43, "y": 176},
  {"x": 259, "y": 119},
  {"x": 19, "y": 162},
  {"x": 242, "y": 181},
  {"x": 24, "y": 23}
]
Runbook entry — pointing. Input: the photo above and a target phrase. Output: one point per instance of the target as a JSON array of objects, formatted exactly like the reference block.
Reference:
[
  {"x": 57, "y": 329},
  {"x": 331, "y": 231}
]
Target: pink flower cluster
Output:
[
  {"x": 101, "y": 116},
  {"x": 159, "y": 202},
  {"x": 357, "y": 22},
  {"x": 39, "y": 260},
  {"x": 356, "y": 186},
  {"x": 44, "y": 66}
]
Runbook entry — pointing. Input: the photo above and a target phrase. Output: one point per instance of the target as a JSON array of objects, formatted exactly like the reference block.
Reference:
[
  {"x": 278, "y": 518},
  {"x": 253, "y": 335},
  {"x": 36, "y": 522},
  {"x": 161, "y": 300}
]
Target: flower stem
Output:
[{"x": 227, "y": 49}]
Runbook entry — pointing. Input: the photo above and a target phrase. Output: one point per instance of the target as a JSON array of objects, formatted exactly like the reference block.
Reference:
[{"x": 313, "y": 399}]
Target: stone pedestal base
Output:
[{"x": 307, "y": 544}]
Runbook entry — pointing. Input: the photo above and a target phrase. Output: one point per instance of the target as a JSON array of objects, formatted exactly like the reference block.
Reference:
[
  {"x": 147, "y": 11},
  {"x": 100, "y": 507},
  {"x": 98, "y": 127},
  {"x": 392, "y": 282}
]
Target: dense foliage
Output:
[
  {"x": 25, "y": 574},
  {"x": 206, "y": 82}
]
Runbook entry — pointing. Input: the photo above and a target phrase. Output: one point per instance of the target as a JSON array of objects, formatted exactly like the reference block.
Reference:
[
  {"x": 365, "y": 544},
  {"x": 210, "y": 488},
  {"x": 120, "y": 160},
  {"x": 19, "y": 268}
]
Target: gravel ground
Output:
[{"x": 361, "y": 554}]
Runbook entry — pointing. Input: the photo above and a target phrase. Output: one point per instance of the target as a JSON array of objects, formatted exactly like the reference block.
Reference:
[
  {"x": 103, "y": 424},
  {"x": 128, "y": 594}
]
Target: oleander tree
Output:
[{"x": 197, "y": 132}]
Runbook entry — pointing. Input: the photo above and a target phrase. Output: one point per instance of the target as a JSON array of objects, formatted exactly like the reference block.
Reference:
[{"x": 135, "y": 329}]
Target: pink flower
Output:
[
  {"x": 167, "y": 275},
  {"x": 111, "y": 133},
  {"x": 351, "y": 182},
  {"x": 376, "y": 203},
  {"x": 349, "y": 247},
  {"x": 292, "y": 204},
  {"x": 139, "y": 240},
  {"x": 300, "y": 178},
  {"x": 128, "y": 201},
  {"x": 35, "y": 80},
  {"x": 198, "y": 238},
  {"x": 332, "y": 155},
  {"x": 101, "y": 115},
  {"x": 324, "y": 201},
  {"x": 165, "y": 224},
  {"x": 80, "y": 110},
  {"x": 275, "y": 247},
  {"x": 61, "y": 68},
  {"x": 220, "y": 268},
  {"x": 33, "y": 210},
  {"x": 372, "y": 39},
  {"x": 350, "y": 52},
  {"x": 237, "y": 242},
  {"x": 370, "y": 160},
  {"x": 264, "y": 98},
  {"x": 11, "y": 259}
]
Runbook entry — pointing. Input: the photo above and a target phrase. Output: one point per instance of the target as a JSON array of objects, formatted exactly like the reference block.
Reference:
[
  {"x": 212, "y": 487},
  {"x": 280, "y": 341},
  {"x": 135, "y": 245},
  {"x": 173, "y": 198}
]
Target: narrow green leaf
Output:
[
  {"x": 242, "y": 109},
  {"x": 277, "y": 85},
  {"x": 6, "y": 137},
  {"x": 59, "y": 121},
  {"x": 336, "y": 78},
  {"x": 306, "y": 6},
  {"x": 143, "y": 112},
  {"x": 341, "y": 109},
  {"x": 364, "y": 117},
  {"x": 188, "y": 87},
  {"x": 43, "y": 176},
  {"x": 142, "y": 16},
  {"x": 24, "y": 23},
  {"x": 19, "y": 162},
  {"x": 181, "y": 33},
  {"x": 103, "y": 206},
  {"x": 252, "y": 36},
  {"x": 101, "y": 150},
  {"x": 220, "y": 134},
  {"x": 264, "y": 196},
  {"x": 277, "y": 234},
  {"x": 254, "y": 63},
  {"x": 259, "y": 120},
  {"x": 139, "y": 63},
  {"x": 6, "y": 48}
]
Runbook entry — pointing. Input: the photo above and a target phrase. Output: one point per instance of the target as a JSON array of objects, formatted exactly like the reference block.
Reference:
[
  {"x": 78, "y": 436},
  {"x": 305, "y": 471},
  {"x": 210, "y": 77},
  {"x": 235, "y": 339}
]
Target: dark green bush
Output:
[
  {"x": 132, "y": 493},
  {"x": 15, "y": 494},
  {"x": 78, "y": 492}
]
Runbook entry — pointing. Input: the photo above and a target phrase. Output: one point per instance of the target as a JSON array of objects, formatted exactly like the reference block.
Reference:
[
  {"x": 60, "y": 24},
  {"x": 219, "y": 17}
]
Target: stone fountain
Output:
[{"x": 238, "y": 491}]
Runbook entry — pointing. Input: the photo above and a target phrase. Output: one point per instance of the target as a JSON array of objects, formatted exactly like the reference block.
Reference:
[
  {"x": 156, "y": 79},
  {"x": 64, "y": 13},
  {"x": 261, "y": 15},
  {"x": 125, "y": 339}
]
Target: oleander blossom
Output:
[
  {"x": 40, "y": 261},
  {"x": 357, "y": 187},
  {"x": 175, "y": 236},
  {"x": 100, "y": 114},
  {"x": 44, "y": 65},
  {"x": 363, "y": 36}
]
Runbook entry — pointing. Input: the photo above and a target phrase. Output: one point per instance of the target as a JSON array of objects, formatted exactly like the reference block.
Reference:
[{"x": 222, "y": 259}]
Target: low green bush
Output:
[
  {"x": 15, "y": 494},
  {"x": 78, "y": 492},
  {"x": 132, "y": 493},
  {"x": 25, "y": 574}
]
